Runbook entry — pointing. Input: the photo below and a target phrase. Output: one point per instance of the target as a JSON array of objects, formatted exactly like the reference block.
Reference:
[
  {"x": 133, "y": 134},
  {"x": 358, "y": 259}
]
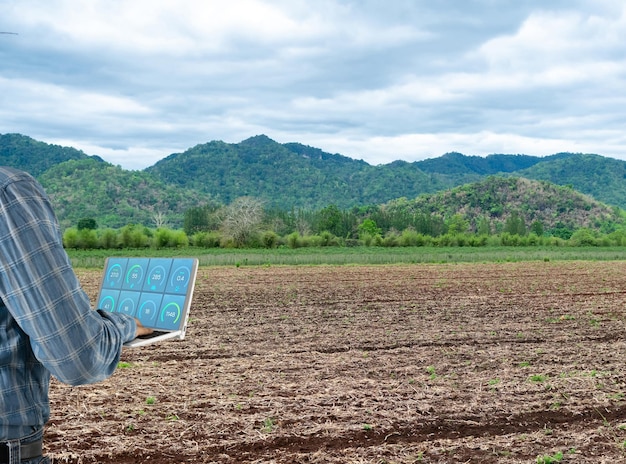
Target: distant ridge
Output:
[
  {"x": 285, "y": 176},
  {"x": 27, "y": 154},
  {"x": 457, "y": 163}
]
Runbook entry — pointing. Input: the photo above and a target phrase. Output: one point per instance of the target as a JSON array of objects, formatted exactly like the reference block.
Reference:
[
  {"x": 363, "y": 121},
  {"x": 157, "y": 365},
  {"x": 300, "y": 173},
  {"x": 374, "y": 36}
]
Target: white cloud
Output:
[
  {"x": 547, "y": 40},
  {"x": 167, "y": 26},
  {"x": 379, "y": 80},
  {"x": 53, "y": 104}
]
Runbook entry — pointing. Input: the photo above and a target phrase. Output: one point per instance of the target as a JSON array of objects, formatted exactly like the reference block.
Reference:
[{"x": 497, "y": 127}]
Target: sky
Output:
[{"x": 134, "y": 81}]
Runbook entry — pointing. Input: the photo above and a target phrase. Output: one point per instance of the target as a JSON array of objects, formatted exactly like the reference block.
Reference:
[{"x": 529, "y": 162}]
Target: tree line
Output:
[{"x": 245, "y": 223}]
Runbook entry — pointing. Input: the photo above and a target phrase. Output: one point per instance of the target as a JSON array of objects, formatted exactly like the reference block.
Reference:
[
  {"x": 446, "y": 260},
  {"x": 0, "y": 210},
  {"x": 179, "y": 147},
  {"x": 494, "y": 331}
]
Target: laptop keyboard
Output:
[{"x": 156, "y": 333}]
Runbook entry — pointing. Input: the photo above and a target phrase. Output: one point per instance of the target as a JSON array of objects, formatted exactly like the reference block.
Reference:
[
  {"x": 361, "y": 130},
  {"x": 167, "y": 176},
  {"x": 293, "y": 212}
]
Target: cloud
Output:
[{"x": 135, "y": 81}]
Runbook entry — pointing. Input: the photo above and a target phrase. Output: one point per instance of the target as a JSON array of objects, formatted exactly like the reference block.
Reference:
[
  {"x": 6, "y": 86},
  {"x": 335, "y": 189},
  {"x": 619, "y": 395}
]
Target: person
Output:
[{"x": 47, "y": 325}]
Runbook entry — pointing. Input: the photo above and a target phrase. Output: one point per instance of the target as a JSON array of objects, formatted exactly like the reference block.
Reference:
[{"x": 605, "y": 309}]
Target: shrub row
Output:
[{"x": 142, "y": 237}]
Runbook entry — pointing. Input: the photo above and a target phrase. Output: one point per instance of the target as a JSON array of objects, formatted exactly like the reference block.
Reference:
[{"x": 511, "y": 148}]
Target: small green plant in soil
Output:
[
  {"x": 547, "y": 459},
  {"x": 268, "y": 425}
]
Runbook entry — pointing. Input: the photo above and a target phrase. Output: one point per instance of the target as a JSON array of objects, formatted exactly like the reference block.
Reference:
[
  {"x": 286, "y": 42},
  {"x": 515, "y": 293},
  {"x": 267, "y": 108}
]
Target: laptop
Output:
[{"x": 157, "y": 291}]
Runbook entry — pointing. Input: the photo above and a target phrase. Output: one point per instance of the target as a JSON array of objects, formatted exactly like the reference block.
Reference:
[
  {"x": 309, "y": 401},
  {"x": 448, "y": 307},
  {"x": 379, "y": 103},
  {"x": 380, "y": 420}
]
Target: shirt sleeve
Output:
[{"x": 41, "y": 291}]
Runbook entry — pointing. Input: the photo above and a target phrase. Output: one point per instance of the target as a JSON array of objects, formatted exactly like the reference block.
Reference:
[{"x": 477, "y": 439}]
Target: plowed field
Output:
[{"x": 455, "y": 363}]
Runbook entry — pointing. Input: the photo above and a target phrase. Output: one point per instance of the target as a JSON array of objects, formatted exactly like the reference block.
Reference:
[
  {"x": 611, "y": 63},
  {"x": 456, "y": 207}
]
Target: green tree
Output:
[
  {"x": 206, "y": 239},
  {"x": 369, "y": 227},
  {"x": 70, "y": 238},
  {"x": 457, "y": 225},
  {"x": 87, "y": 223},
  {"x": 583, "y": 237},
  {"x": 537, "y": 228},
  {"x": 330, "y": 220},
  {"x": 133, "y": 236},
  {"x": 515, "y": 224},
  {"x": 484, "y": 227},
  {"x": 270, "y": 239},
  {"x": 197, "y": 219},
  {"x": 162, "y": 238},
  {"x": 108, "y": 239},
  {"x": 88, "y": 239},
  {"x": 562, "y": 231}
]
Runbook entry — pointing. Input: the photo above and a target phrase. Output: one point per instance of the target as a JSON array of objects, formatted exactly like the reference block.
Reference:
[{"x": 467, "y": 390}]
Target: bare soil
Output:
[{"x": 455, "y": 363}]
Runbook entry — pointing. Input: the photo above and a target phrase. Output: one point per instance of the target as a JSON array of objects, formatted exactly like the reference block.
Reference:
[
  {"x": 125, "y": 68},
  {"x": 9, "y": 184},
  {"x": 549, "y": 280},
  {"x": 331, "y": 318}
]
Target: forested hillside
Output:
[
  {"x": 496, "y": 202},
  {"x": 459, "y": 164},
  {"x": 289, "y": 176},
  {"x": 295, "y": 177},
  {"x": 35, "y": 157},
  {"x": 603, "y": 178},
  {"x": 114, "y": 197}
]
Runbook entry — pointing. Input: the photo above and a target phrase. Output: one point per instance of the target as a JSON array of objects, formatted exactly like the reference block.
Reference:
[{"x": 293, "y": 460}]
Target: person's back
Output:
[{"x": 47, "y": 325}]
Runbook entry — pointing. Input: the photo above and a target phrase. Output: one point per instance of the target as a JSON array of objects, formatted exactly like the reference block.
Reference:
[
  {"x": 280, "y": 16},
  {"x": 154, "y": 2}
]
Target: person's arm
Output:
[{"x": 38, "y": 286}]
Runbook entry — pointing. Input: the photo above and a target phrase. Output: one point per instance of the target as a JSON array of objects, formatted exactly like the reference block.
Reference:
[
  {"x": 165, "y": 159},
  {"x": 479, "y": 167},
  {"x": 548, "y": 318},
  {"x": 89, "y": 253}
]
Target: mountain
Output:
[
  {"x": 82, "y": 186},
  {"x": 87, "y": 188},
  {"x": 290, "y": 175},
  {"x": 603, "y": 178},
  {"x": 293, "y": 175},
  {"x": 285, "y": 176},
  {"x": 457, "y": 163},
  {"x": 27, "y": 154},
  {"x": 496, "y": 199}
]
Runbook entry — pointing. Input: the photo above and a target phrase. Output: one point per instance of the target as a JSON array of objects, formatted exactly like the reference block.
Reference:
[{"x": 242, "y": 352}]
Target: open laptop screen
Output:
[{"x": 157, "y": 291}]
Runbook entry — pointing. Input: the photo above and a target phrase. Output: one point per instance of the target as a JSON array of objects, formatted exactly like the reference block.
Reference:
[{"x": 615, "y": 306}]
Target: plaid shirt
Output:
[{"x": 47, "y": 325}]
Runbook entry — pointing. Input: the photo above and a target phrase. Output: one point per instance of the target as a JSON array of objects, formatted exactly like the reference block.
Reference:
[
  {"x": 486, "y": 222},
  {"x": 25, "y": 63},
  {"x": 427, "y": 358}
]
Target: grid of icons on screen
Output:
[{"x": 153, "y": 290}]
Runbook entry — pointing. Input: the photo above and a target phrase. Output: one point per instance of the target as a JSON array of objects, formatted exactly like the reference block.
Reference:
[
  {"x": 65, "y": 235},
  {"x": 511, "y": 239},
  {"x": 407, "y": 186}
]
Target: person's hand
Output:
[{"x": 141, "y": 330}]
